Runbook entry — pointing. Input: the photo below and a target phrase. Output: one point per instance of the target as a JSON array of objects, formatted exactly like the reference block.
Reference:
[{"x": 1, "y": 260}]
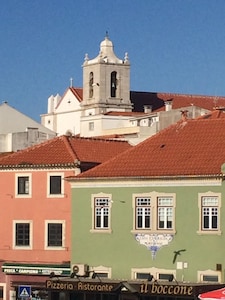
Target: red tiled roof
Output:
[
  {"x": 216, "y": 114},
  {"x": 64, "y": 151},
  {"x": 78, "y": 93},
  {"x": 157, "y": 101},
  {"x": 187, "y": 148},
  {"x": 181, "y": 100}
]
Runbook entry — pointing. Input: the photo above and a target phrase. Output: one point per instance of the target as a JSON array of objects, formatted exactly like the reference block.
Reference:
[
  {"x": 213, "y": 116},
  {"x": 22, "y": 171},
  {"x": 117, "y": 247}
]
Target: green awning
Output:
[{"x": 36, "y": 269}]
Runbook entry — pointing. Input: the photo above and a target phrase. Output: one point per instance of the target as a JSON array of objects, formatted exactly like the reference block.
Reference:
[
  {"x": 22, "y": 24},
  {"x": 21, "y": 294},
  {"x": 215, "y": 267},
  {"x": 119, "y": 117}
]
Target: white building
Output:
[
  {"x": 105, "y": 106},
  {"x": 64, "y": 112},
  {"x": 17, "y": 131}
]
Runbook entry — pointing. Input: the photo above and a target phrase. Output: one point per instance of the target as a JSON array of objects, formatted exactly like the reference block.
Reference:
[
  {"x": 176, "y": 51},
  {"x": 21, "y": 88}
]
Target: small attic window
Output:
[{"x": 49, "y": 122}]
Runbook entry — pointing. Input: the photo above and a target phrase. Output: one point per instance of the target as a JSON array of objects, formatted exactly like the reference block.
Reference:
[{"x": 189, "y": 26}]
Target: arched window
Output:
[
  {"x": 91, "y": 81},
  {"x": 113, "y": 84}
]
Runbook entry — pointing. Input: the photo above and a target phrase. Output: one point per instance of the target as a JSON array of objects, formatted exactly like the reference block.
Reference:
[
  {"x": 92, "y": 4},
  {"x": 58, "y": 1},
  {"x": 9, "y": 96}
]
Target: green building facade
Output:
[{"x": 165, "y": 229}]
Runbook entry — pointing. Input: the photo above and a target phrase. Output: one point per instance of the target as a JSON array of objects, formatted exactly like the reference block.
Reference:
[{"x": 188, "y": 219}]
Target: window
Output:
[
  {"x": 209, "y": 276},
  {"x": 91, "y": 126},
  {"x": 143, "y": 213},
  {"x": 165, "y": 212},
  {"x": 152, "y": 274},
  {"x": 154, "y": 212},
  {"x": 143, "y": 276},
  {"x": 101, "y": 207},
  {"x": 54, "y": 234},
  {"x": 22, "y": 234},
  {"x": 55, "y": 185},
  {"x": 209, "y": 213},
  {"x": 101, "y": 213},
  {"x": 2, "y": 291},
  {"x": 23, "y": 185},
  {"x": 113, "y": 84},
  {"x": 100, "y": 272},
  {"x": 165, "y": 277},
  {"x": 209, "y": 205}
]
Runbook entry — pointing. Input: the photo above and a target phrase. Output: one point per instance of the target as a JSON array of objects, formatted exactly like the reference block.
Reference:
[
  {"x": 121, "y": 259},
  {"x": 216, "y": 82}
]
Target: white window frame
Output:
[
  {"x": 155, "y": 272},
  {"x": 209, "y": 231},
  {"x": 49, "y": 174},
  {"x": 3, "y": 285},
  {"x": 164, "y": 212},
  {"x": 63, "y": 222},
  {"x": 109, "y": 197},
  {"x": 29, "y": 194},
  {"x": 101, "y": 269},
  {"x": 200, "y": 275},
  {"x": 154, "y": 217},
  {"x": 29, "y": 247},
  {"x": 143, "y": 210}
]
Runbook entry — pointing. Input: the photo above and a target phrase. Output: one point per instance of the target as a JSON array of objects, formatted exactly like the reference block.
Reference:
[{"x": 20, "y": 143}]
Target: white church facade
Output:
[{"x": 105, "y": 106}]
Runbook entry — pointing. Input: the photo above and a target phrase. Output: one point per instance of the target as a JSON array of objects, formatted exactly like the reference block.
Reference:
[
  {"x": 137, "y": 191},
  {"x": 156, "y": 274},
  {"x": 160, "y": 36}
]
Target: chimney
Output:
[
  {"x": 147, "y": 108},
  {"x": 168, "y": 105},
  {"x": 184, "y": 115}
]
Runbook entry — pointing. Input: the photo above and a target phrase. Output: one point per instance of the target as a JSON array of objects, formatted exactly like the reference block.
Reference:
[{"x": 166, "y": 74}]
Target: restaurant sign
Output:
[
  {"x": 26, "y": 269},
  {"x": 112, "y": 287}
]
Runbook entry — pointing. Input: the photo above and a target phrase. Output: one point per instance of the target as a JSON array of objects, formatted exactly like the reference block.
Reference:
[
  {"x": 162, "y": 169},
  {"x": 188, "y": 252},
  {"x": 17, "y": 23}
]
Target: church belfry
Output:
[{"x": 106, "y": 82}]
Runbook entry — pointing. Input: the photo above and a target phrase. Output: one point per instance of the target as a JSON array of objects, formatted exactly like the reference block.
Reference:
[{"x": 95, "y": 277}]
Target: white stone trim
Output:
[
  {"x": 144, "y": 183},
  {"x": 21, "y": 174},
  {"x": 63, "y": 222},
  {"x": 208, "y": 232},
  {"x": 30, "y": 247}
]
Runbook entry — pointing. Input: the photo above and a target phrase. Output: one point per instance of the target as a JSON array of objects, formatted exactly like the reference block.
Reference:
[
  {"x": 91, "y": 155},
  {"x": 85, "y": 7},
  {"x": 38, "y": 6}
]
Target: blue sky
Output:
[{"x": 175, "y": 46}]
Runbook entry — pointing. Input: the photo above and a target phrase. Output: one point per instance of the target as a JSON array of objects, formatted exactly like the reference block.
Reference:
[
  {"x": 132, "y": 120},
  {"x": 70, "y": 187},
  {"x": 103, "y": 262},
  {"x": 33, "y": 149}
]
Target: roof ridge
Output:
[
  {"x": 66, "y": 140},
  {"x": 96, "y": 138}
]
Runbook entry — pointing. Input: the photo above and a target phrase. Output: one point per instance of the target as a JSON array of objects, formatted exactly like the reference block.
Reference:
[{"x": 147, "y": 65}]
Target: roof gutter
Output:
[{"x": 167, "y": 177}]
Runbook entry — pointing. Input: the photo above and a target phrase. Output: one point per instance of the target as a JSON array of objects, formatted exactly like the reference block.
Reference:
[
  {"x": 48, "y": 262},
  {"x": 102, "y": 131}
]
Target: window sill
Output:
[
  {"x": 55, "y": 248},
  {"x": 22, "y": 248},
  {"x": 147, "y": 231},
  {"x": 23, "y": 196},
  {"x": 56, "y": 196},
  {"x": 209, "y": 232},
  {"x": 101, "y": 230}
]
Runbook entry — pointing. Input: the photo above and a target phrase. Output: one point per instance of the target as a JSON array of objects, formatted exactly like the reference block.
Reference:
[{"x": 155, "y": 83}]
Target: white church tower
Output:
[{"x": 106, "y": 87}]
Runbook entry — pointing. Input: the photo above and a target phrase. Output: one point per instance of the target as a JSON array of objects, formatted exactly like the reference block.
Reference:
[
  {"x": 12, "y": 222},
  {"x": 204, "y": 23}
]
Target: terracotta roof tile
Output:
[
  {"x": 187, "y": 148},
  {"x": 78, "y": 93},
  {"x": 157, "y": 100},
  {"x": 216, "y": 114},
  {"x": 182, "y": 100},
  {"x": 65, "y": 150}
]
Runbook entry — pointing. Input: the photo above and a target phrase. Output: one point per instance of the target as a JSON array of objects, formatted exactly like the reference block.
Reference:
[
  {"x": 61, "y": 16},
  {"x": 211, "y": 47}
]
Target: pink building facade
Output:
[
  {"x": 34, "y": 228},
  {"x": 35, "y": 223}
]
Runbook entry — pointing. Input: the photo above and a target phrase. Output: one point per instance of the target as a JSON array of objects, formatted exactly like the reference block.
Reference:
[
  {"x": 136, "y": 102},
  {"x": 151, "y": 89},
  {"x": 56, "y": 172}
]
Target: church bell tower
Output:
[{"x": 106, "y": 82}]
